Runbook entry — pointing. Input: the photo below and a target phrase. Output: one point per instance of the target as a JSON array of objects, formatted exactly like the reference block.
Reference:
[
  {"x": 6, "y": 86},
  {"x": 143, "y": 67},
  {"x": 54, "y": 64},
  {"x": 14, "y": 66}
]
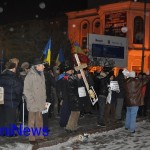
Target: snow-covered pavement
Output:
[{"x": 119, "y": 139}]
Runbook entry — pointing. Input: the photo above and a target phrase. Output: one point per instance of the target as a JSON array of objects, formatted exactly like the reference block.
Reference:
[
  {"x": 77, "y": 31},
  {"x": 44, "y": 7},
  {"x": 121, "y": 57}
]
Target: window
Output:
[
  {"x": 96, "y": 26},
  {"x": 138, "y": 30},
  {"x": 84, "y": 32}
]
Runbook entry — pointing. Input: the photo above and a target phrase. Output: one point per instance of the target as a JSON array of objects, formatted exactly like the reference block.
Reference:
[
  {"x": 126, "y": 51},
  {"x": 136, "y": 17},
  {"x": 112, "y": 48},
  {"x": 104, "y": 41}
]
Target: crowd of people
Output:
[{"x": 64, "y": 88}]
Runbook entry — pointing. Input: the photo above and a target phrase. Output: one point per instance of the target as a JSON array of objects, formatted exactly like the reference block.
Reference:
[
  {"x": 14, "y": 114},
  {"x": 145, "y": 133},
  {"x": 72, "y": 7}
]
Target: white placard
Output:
[
  {"x": 1, "y": 95},
  {"x": 81, "y": 92},
  {"x": 47, "y": 105},
  {"x": 114, "y": 86}
]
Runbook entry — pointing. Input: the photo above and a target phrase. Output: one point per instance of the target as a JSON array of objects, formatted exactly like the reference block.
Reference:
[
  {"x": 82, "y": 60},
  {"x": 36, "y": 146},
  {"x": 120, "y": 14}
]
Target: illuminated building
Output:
[{"x": 110, "y": 19}]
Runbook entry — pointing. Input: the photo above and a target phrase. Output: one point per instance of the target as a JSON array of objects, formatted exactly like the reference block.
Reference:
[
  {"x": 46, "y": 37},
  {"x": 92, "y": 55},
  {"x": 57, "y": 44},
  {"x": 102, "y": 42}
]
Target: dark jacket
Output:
[
  {"x": 12, "y": 89},
  {"x": 72, "y": 90},
  {"x": 120, "y": 78},
  {"x": 133, "y": 91},
  {"x": 101, "y": 85}
]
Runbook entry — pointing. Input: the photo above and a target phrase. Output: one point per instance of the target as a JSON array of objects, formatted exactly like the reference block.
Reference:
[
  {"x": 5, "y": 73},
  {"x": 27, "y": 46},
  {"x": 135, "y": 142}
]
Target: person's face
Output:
[
  {"x": 79, "y": 76},
  {"x": 140, "y": 76},
  {"x": 58, "y": 71},
  {"x": 40, "y": 67},
  {"x": 69, "y": 72},
  {"x": 111, "y": 78}
]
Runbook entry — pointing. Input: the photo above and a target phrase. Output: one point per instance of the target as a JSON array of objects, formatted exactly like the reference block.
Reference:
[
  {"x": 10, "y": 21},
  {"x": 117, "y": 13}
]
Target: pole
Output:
[
  {"x": 2, "y": 59},
  {"x": 23, "y": 112},
  {"x": 143, "y": 45}
]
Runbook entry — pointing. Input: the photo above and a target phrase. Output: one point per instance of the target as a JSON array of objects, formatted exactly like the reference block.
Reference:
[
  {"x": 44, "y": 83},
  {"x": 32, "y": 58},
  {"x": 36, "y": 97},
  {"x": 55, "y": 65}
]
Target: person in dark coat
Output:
[
  {"x": 12, "y": 96},
  {"x": 62, "y": 84},
  {"x": 102, "y": 92},
  {"x": 119, "y": 96},
  {"x": 77, "y": 94},
  {"x": 147, "y": 100},
  {"x": 49, "y": 82}
]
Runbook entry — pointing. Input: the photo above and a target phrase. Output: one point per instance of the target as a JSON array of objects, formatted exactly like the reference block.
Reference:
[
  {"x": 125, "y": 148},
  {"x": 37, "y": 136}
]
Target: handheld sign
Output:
[{"x": 91, "y": 91}]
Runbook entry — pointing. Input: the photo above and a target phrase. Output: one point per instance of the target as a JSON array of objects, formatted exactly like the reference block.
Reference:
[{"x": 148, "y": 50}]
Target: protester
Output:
[
  {"x": 102, "y": 82},
  {"x": 133, "y": 98},
  {"x": 35, "y": 92},
  {"x": 12, "y": 96},
  {"x": 49, "y": 82},
  {"x": 110, "y": 103},
  {"x": 119, "y": 96},
  {"x": 62, "y": 87},
  {"x": 25, "y": 66}
]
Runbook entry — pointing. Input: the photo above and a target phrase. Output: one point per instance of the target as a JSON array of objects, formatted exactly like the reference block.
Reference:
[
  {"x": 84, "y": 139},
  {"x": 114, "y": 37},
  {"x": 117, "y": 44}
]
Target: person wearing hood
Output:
[
  {"x": 35, "y": 93},
  {"x": 133, "y": 98}
]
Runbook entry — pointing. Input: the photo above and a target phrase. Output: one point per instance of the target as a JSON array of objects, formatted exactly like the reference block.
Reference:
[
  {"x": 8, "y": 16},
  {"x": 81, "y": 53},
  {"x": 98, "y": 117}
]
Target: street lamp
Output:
[{"x": 143, "y": 44}]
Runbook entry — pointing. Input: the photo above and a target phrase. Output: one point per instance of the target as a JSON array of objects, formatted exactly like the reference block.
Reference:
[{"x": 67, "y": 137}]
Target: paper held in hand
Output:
[
  {"x": 114, "y": 86},
  {"x": 1, "y": 95},
  {"x": 47, "y": 105}
]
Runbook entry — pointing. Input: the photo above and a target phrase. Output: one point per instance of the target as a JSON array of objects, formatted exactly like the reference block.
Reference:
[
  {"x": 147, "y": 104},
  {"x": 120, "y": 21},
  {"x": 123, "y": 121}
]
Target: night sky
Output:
[{"x": 18, "y": 10}]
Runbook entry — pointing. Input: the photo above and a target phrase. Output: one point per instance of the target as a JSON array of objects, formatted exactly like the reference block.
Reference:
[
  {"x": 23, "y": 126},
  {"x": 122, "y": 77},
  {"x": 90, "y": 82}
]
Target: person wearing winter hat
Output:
[
  {"x": 35, "y": 92},
  {"x": 25, "y": 66},
  {"x": 133, "y": 98},
  {"x": 62, "y": 84}
]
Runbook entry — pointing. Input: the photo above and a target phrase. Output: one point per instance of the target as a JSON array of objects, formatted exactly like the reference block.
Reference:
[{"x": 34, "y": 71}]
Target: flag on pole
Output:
[
  {"x": 60, "y": 58},
  {"x": 82, "y": 56},
  {"x": 77, "y": 49},
  {"x": 47, "y": 52}
]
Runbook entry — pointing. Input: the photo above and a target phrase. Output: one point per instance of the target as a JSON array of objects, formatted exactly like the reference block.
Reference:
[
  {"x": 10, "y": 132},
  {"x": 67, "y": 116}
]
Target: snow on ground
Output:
[
  {"x": 119, "y": 139},
  {"x": 16, "y": 146}
]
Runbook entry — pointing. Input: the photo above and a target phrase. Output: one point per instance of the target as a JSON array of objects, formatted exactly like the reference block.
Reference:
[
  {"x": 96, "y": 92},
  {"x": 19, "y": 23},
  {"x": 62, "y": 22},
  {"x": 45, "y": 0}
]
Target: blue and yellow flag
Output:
[
  {"x": 47, "y": 52},
  {"x": 60, "y": 58}
]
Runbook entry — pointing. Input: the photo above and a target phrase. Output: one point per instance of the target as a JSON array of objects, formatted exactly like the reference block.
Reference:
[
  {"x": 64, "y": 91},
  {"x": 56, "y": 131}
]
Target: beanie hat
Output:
[
  {"x": 10, "y": 65},
  {"x": 25, "y": 65},
  {"x": 128, "y": 74},
  {"x": 67, "y": 68}
]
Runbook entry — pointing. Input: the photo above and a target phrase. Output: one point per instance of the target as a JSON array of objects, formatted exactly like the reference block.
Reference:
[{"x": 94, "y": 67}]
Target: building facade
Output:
[{"x": 123, "y": 19}]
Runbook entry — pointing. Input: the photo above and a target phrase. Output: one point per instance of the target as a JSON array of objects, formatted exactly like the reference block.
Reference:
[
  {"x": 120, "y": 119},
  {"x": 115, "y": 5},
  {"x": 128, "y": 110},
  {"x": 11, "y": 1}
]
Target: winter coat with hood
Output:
[
  {"x": 35, "y": 90},
  {"x": 12, "y": 89},
  {"x": 133, "y": 94}
]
